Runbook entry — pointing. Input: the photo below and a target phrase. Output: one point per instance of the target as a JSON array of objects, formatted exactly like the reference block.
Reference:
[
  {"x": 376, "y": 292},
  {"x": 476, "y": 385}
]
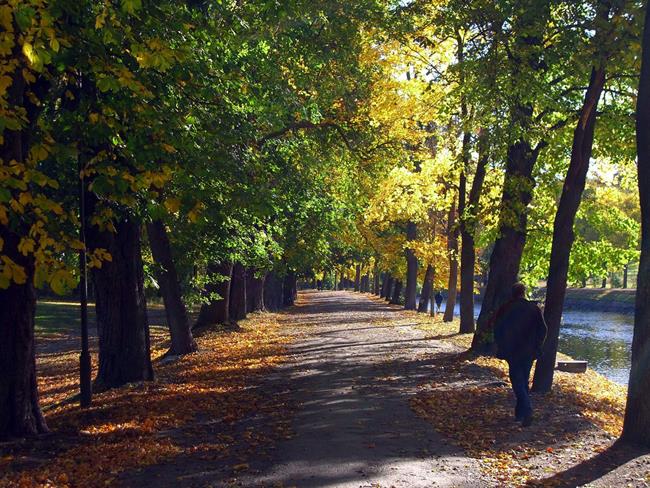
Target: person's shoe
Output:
[{"x": 527, "y": 421}]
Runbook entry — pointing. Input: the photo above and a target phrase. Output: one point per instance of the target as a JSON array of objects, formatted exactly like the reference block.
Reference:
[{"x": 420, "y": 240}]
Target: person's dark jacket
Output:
[{"x": 519, "y": 330}]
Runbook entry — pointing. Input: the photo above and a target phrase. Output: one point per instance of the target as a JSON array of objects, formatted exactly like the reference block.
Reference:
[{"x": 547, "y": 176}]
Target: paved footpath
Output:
[{"x": 352, "y": 378}]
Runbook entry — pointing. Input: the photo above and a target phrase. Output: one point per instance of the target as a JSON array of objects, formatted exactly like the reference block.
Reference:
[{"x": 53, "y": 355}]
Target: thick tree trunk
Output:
[
  {"x": 452, "y": 248},
  {"x": 217, "y": 311},
  {"x": 411, "y": 269},
  {"x": 563, "y": 236},
  {"x": 375, "y": 281},
  {"x": 389, "y": 288},
  {"x": 238, "y": 293},
  {"x": 254, "y": 291},
  {"x": 384, "y": 285},
  {"x": 20, "y": 412},
  {"x": 466, "y": 320},
  {"x": 528, "y": 32},
  {"x": 357, "y": 278},
  {"x": 123, "y": 330},
  {"x": 397, "y": 292},
  {"x": 178, "y": 322},
  {"x": 427, "y": 286},
  {"x": 273, "y": 292},
  {"x": 289, "y": 289},
  {"x": 469, "y": 215},
  {"x": 508, "y": 248},
  {"x": 432, "y": 296},
  {"x": 636, "y": 426}
]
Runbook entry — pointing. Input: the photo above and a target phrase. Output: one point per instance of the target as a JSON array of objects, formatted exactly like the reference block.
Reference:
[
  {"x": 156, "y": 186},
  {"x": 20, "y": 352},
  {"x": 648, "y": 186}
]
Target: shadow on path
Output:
[
  {"x": 595, "y": 468},
  {"x": 348, "y": 381},
  {"x": 352, "y": 381}
]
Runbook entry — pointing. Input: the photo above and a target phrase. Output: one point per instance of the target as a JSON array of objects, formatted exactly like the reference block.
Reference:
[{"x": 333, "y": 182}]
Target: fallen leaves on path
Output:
[
  {"x": 143, "y": 424},
  {"x": 470, "y": 402}
]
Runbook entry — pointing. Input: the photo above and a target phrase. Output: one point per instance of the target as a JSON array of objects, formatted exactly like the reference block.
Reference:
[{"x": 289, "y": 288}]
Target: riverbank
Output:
[{"x": 616, "y": 300}]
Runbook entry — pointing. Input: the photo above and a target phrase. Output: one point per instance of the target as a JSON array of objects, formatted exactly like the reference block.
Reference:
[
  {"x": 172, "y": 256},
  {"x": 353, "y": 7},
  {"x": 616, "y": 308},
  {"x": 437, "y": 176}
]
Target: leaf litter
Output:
[{"x": 141, "y": 425}]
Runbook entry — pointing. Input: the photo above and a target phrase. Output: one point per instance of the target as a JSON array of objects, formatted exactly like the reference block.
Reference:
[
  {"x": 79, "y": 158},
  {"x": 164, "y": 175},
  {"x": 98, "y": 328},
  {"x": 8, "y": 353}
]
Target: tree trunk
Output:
[
  {"x": 254, "y": 291},
  {"x": 397, "y": 291},
  {"x": 357, "y": 278},
  {"x": 384, "y": 285},
  {"x": 238, "y": 293},
  {"x": 123, "y": 330},
  {"x": 273, "y": 292},
  {"x": 289, "y": 289},
  {"x": 563, "y": 236},
  {"x": 528, "y": 33},
  {"x": 625, "y": 276},
  {"x": 452, "y": 247},
  {"x": 217, "y": 311},
  {"x": 508, "y": 248},
  {"x": 636, "y": 426},
  {"x": 467, "y": 249},
  {"x": 389, "y": 288},
  {"x": 20, "y": 412},
  {"x": 180, "y": 330},
  {"x": 411, "y": 269},
  {"x": 432, "y": 296},
  {"x": 427, "y": 286},
  {"x": 375, "y": 281},
  {"x": 468, "y": 219}
]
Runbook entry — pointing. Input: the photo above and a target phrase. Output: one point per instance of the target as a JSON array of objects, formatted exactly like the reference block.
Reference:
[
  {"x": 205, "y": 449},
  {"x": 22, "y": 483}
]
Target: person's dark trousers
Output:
[{"x": 519, "y": 375}]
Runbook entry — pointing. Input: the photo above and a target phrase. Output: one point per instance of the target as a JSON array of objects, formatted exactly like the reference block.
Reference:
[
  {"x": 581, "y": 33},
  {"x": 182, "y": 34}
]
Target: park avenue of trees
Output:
[{"x": 215, "y": 153}]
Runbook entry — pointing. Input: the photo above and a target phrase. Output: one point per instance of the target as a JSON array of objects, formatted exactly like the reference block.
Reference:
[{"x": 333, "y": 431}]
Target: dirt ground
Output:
[
  {"x": 357, "y": 395},
  {"x": 357, "y": 369}
]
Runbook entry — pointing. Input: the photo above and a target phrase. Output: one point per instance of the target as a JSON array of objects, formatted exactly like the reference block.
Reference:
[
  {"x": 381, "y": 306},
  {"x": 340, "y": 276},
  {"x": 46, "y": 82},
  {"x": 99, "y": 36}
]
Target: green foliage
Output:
[{"x": 289, "y": 137}]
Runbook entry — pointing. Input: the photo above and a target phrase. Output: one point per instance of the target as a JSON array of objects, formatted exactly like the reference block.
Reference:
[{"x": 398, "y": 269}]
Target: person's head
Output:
[{"x": 518, "y": 290}]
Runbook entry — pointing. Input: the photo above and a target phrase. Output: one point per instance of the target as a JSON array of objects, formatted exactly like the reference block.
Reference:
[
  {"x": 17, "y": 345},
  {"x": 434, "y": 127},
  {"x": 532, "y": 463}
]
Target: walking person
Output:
[
  {"x": 438, "y": 299},
  {"x": 519, "y": 333}
]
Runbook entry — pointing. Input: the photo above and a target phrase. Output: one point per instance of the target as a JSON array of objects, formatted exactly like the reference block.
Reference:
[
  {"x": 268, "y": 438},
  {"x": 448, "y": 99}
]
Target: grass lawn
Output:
[{"x": 60, "y": 317}]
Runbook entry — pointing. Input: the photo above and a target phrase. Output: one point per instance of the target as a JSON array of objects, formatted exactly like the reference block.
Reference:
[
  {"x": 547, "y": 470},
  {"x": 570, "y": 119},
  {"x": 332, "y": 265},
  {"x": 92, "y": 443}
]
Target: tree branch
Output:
[{"x": 304, "y": 124}]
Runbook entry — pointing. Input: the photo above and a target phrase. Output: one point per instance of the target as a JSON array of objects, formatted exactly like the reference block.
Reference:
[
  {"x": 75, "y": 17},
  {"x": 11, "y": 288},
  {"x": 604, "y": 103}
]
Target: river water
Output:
[{"x": 604, "y": 339}]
